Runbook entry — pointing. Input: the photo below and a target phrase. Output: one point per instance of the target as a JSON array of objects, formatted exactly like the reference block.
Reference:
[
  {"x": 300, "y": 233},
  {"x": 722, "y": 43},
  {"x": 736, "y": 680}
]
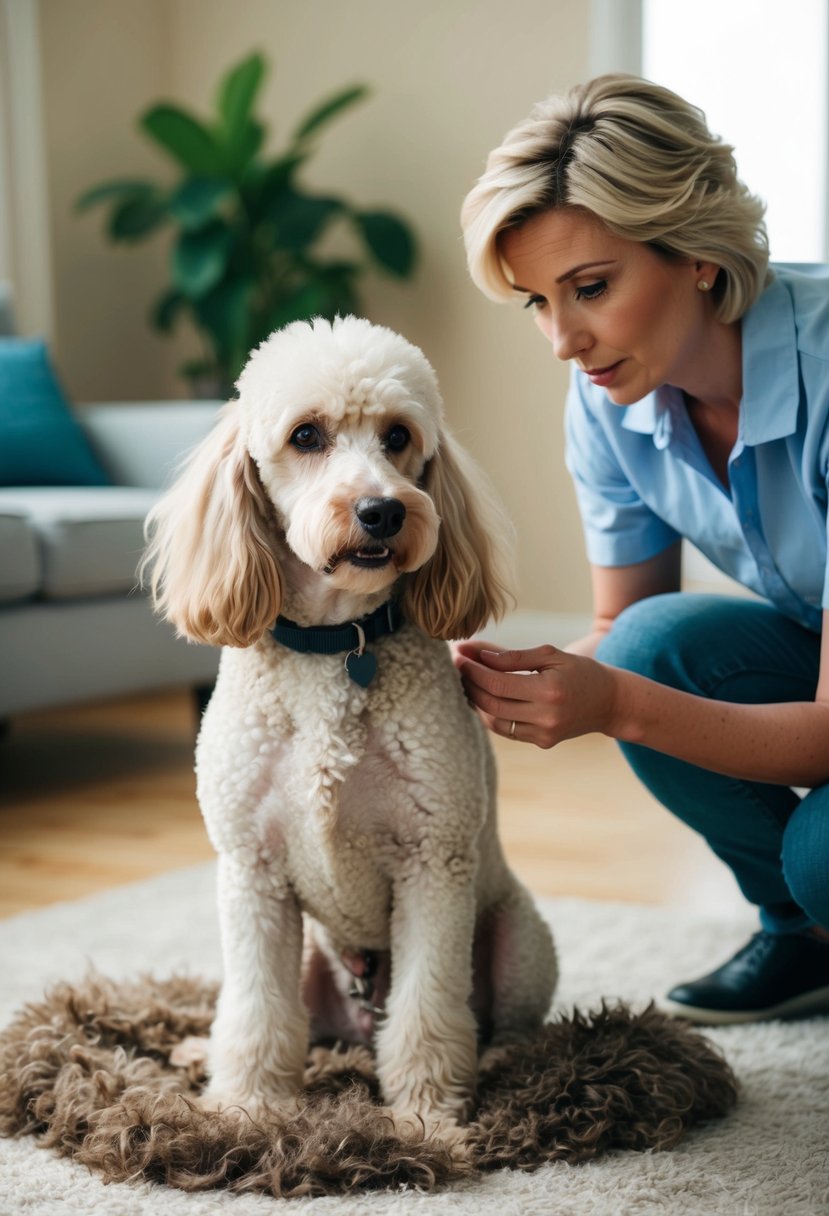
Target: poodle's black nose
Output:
[{"x": 380, "y": 517}]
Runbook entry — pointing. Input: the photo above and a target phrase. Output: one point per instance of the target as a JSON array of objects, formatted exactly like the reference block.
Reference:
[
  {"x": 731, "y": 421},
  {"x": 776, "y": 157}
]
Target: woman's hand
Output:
[{"x": 548, "y": 694}]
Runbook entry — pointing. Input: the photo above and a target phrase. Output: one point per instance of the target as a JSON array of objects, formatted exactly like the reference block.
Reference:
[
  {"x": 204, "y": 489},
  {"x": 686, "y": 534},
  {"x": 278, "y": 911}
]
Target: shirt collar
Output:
[
  {"x": 642, "y": 415},
  {"x": 771, "y": 395},
  {"x": 652, "y": 415}
]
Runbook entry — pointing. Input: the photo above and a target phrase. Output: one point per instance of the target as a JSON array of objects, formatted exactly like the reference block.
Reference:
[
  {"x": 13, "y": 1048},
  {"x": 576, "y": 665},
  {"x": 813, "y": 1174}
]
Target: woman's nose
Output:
[{"x": 567, "y": 338}]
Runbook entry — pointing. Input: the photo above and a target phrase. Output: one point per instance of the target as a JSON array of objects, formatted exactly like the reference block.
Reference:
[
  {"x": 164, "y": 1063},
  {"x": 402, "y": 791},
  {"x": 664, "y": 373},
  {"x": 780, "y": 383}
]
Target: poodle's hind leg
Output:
[{"x": 515, "y": 968}]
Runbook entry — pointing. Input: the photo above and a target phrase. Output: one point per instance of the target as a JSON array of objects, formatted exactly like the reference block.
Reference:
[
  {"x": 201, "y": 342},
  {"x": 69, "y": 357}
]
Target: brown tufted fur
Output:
[{"x": 88, "y": 1069}]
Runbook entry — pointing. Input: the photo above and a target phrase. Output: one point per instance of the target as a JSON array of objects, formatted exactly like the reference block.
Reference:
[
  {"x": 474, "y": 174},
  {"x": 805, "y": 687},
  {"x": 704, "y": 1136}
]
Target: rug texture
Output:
[
  {"x": 767, "y": 1156},
  {"x": 89, "y": 1070}
]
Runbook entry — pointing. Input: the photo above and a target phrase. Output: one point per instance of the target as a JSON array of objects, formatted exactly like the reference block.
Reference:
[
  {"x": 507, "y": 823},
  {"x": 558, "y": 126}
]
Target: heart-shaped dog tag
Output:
[{"x": 362, "y": 668}]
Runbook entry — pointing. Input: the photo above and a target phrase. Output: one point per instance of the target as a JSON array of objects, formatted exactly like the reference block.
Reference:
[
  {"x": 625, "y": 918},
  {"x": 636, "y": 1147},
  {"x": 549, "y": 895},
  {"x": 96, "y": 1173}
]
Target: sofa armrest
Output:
[{"x": 140, "y": 443}]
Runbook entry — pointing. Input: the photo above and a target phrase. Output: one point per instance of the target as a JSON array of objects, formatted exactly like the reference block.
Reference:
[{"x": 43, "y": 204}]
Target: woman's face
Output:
[{"x": 631, "y": 318}]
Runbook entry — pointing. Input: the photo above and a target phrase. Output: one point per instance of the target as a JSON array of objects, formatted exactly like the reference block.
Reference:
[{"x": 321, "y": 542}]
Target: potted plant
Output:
[{"x": 246, "y": 255}]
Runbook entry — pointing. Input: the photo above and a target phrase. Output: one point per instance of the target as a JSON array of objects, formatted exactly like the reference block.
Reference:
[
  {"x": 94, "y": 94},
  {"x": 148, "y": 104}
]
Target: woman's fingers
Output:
[
  {"x": 549, "y": 694},
  {"x": 503, "y": 697},
  {"x": 493, "y": 674},
  {"x": 538, "y": 658},
  {"x": 535, "y": 659},
  {"x": 521, "y": 732}
]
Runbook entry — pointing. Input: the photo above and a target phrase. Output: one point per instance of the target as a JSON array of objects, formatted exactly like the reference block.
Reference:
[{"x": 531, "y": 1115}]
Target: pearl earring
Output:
[{"x": 703, "y": 285}]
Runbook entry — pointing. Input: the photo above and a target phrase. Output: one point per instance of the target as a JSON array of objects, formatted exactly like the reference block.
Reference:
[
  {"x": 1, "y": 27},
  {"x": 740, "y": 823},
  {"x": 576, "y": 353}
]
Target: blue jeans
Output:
[{"x": 775, "y": 842}]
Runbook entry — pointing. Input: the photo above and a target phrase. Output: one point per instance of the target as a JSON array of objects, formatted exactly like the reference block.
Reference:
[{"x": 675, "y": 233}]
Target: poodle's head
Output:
[
  {"x": 336, "y": 454},
  {"x": 341, "y": 421}
]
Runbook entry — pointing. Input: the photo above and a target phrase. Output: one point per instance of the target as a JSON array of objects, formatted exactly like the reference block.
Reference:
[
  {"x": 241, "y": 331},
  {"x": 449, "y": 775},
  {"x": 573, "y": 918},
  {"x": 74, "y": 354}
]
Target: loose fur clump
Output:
[
  {"x": 589, "y": 1083},
  {"x": 88, "y": 1070}
]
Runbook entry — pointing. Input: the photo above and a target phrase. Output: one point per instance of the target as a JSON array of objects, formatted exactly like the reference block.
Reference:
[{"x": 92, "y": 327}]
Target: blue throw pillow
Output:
[{"x": 41, "y": 444}]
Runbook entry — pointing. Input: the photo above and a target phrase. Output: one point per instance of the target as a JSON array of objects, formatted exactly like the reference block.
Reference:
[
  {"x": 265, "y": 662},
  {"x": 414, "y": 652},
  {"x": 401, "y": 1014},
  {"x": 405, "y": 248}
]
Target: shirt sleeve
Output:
[{"x": 619, "y": 528}]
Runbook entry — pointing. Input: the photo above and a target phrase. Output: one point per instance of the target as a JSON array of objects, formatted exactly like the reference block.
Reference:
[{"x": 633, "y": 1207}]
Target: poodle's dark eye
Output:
[
  {"x": 397, "y": 439},
  {"x": 307, "y": 438}
]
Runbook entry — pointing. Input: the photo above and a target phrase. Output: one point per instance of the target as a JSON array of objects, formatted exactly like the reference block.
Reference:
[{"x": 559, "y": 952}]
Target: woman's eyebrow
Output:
[
  {"x": 569, "y": 274},
  {"x": 584, "y": 266}
]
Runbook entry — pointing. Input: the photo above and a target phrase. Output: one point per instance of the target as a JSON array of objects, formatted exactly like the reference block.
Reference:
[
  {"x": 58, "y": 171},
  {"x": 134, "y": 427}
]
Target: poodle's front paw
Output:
[
  {"x": 190, "y": 1051},
  {"x": 415, "y": 1126}
]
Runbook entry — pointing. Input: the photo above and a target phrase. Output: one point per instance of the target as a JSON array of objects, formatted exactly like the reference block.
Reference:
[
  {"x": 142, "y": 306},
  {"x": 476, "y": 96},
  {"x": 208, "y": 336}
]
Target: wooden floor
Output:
[{"x": 97, "y": 796}]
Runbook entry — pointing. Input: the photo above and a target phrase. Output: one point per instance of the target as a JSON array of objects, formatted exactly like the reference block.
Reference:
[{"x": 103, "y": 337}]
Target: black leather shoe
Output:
[{"x": 774, "y": 976}]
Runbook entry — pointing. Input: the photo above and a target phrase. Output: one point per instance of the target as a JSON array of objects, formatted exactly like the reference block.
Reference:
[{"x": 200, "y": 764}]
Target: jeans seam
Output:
[{"x": 710, "y": 687}]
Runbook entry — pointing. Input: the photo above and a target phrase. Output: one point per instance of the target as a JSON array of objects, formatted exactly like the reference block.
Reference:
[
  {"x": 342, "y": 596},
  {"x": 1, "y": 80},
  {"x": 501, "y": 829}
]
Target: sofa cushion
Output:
[
  {"x": 19, "y": 558},
  {"x": 89, "y": 540},
  {"x": 41, "y": 444}
]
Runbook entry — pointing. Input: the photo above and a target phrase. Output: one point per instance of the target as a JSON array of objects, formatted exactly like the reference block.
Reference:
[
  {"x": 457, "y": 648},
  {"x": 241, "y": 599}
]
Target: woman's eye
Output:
[
  {"x": 397, "y": 439},
  {"x": 307, "y": 438},
  {"x": 591, "y": 291},
  {"x": 535, "y": 302}
]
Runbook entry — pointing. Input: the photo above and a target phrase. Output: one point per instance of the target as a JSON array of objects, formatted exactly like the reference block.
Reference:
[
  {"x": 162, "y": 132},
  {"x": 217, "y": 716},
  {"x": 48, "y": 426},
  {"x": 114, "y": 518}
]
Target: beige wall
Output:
[
  {"x": 103, "y": 62},
  {"x": 448, "y": 78}
]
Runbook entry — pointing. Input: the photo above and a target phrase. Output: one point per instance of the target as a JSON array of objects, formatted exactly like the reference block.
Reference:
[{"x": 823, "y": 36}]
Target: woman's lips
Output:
[{"x": 603, "y": 376}]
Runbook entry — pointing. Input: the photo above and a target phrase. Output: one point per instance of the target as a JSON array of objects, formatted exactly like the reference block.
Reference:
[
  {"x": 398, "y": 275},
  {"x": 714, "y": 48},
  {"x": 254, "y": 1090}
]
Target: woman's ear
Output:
[
  {"x": 210, "y": 558},
  {"x": 469, "y": 578}
]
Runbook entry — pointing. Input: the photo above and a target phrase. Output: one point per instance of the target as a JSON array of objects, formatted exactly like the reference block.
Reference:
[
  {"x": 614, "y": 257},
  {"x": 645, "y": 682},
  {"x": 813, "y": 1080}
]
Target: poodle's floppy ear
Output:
[
  {"x": 469, "y": 578},
  {"x": 212, "y": 567}
]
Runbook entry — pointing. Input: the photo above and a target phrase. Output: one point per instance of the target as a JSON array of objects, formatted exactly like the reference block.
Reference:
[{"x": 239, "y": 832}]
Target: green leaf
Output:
[
  {"x": 326, "y": 111},
  {"x": 224, "y": 312},
  {"x": 200, "y": 259},
  {"x": 263, "y": 186},
  {"x": 166, "y": 309},
  {"x": 389, "y": 239},
  {"x": 242, "y": 149},
  {"x": 279, "y": 172},
  {"x": 312, "y": 300},
  {"x": 137, "y": 217},
  {"x": 341, "y": 280},
  {"x": 130, "y": 188},
  {"x": 237, "y": 93},
  {"x": 239, "y": 135},
  {"x": 198, "y": 200},
  {"x": 300, "y": 218},
  {"x": 184, "y": 137}
]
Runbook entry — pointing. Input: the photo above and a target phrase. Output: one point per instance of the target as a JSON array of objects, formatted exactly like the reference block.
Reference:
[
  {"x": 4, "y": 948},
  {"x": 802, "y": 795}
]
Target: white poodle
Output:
[{"x": 328, "y": 533}]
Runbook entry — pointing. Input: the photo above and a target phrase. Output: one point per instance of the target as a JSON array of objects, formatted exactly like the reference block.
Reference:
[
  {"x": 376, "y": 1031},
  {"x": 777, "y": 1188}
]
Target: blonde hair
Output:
[{"x": 642, "y": 161}]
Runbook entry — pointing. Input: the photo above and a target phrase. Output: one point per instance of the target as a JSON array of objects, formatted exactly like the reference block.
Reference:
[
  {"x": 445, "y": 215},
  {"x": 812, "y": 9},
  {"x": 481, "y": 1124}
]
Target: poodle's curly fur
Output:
[
  {"x": 88, "y": 1070},
  {"x": 348, "y": 818}
]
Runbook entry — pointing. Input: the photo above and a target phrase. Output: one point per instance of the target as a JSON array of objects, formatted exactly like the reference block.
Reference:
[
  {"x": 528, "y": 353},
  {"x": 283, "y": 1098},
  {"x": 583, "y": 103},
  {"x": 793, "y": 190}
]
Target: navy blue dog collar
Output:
[{"x": 352, "y": 637}]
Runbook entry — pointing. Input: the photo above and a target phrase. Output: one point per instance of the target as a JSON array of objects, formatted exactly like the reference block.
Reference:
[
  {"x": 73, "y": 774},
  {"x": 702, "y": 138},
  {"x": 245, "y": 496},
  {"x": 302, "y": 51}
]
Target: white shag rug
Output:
[{"x": 769, "y": 1158}]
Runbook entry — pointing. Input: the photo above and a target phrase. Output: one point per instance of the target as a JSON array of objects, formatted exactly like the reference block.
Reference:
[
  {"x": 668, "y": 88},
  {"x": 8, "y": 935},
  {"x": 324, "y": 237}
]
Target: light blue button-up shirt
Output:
[{"x": 643, "y": 480}]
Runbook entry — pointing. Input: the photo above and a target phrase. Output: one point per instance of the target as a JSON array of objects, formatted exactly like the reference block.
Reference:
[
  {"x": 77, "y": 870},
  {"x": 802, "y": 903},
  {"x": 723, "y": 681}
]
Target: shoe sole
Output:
[{"x": 809, "y": 1003}]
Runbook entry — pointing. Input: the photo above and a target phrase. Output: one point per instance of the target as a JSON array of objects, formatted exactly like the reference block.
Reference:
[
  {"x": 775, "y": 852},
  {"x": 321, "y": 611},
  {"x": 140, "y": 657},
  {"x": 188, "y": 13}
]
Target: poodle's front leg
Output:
[
  {"x": 259, "y": 1037},
  {"x": 426, "y": 1048}
]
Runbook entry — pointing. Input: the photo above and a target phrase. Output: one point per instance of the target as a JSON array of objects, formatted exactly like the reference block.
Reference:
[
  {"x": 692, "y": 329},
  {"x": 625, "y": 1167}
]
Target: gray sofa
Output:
[{"x": 73, "y": 625}]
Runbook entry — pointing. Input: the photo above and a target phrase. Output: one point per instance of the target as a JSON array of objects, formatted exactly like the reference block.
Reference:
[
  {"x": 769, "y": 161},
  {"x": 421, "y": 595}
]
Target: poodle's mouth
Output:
[{"x": 369, "y": 557}]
